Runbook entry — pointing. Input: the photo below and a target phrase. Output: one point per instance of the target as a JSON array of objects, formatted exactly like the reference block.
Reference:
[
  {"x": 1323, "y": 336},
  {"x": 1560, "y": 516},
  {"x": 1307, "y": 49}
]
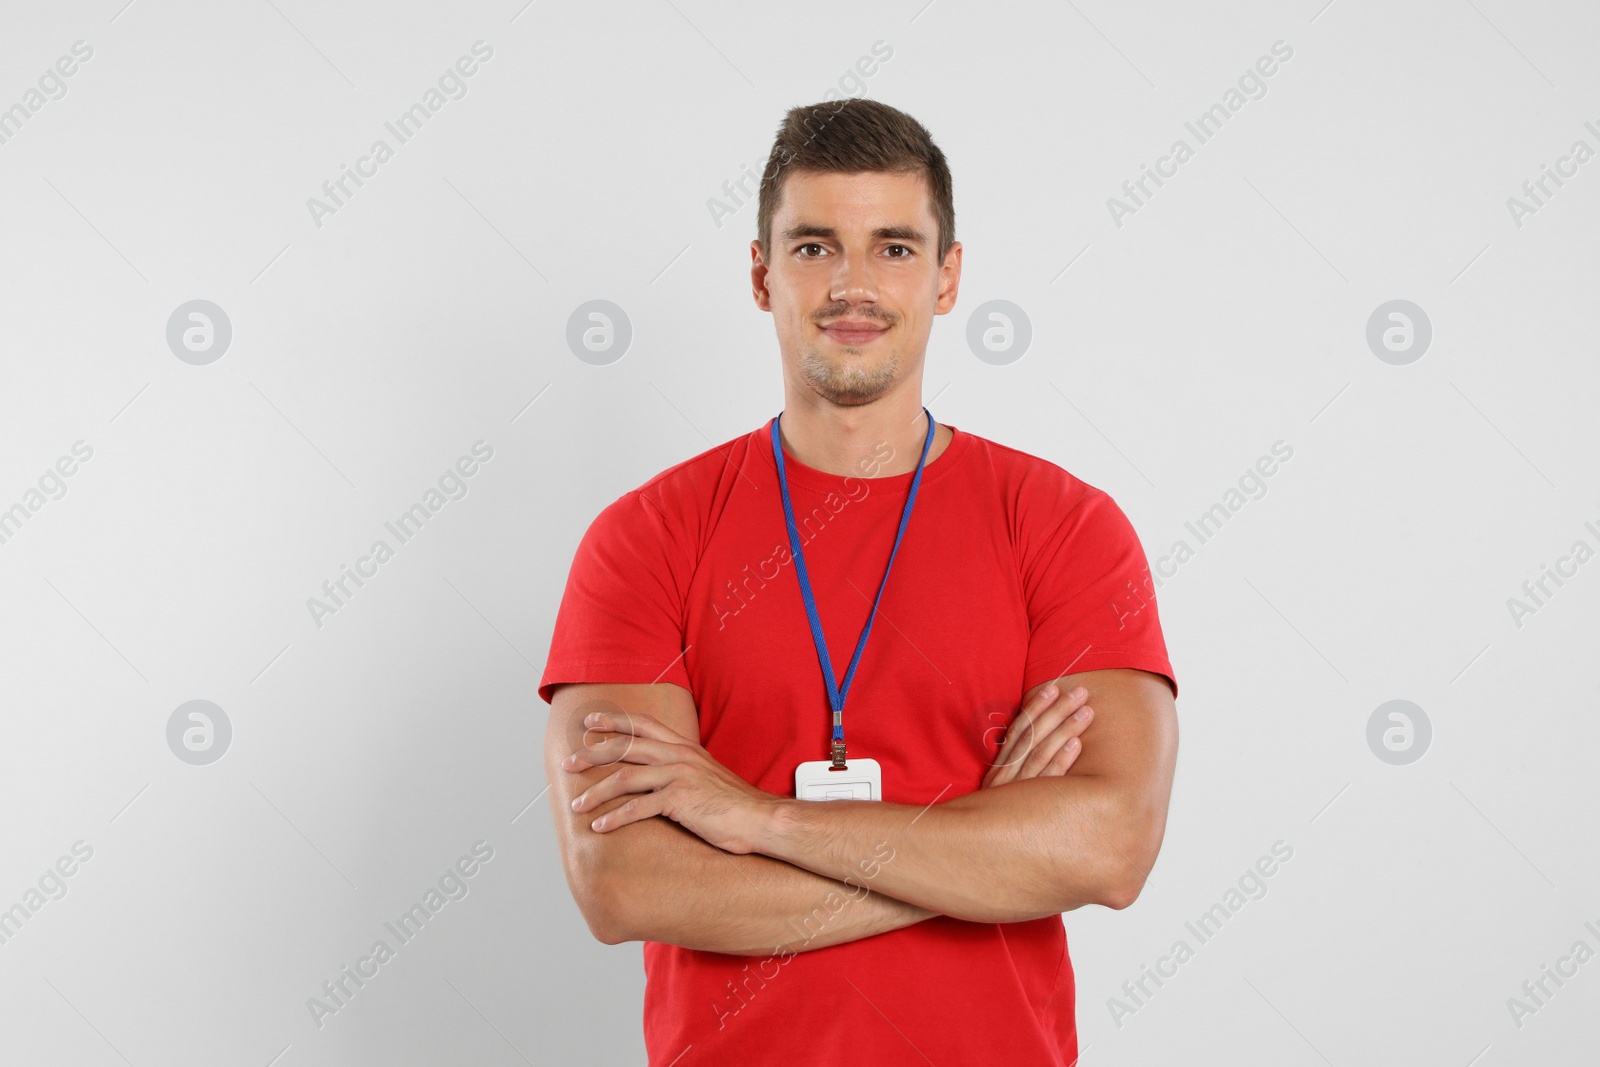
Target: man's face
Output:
[{"x": 852, "y": 282}]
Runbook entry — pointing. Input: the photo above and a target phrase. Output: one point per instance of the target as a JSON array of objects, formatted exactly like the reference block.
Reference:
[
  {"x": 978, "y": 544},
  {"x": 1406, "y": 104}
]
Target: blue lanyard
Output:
[{"x": 836, "y": 692}]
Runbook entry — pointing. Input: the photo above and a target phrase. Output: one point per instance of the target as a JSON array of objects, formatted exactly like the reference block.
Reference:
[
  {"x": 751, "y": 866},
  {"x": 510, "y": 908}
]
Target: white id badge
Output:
[{"x": 816, "y": 780}]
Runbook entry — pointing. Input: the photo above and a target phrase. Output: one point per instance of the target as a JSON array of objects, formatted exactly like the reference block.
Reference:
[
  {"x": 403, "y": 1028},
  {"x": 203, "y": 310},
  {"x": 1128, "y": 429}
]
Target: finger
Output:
[
  {"x": 1034, "y": 724},
  {"x": 639, "y": 808},
  {"x": 1012, "y": 748},
  {"x": 1063, "y": 760},
  {"x": 1043, "y": 751},
  {"x": 1046, "y": 745},
  {"x": 619, "y": 748},
  {"x": 1042, "y": 720},
  {"x": 1061, "y": 746},
  {"x": 625, "y": 779},
  {"x": 627, "y": 725},
  {"x": 1050, "y": 731},
  {"x": 1070, "y": 702},
  {"x": 636, "y": 723}
]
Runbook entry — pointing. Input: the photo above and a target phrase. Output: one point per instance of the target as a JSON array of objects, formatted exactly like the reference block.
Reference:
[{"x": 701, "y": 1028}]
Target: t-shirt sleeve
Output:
[
  {"x": 1091, "y": 600},
  {"x": 621, "y": 618}
]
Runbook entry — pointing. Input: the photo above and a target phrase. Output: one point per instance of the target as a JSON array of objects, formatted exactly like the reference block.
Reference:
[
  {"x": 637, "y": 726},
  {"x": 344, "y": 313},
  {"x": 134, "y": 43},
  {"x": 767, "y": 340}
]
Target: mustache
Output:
[{"x": 843, "y": 311}]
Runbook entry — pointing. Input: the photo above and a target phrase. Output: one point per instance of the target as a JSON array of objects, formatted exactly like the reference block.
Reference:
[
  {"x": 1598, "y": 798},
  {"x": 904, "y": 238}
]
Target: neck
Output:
[{"x": 837, "y": 439}]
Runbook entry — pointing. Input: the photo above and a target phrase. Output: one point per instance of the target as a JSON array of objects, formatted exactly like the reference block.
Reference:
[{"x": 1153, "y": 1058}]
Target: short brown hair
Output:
[{"x": 850, "y": 136}]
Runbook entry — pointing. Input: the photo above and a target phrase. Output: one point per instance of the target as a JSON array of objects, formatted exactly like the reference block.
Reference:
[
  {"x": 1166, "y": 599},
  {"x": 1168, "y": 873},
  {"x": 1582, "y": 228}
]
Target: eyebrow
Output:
[{"x": 882, "y": 233}]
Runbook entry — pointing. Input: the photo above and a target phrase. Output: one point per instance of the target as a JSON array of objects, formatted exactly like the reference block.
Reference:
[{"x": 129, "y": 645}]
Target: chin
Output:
[
  {"x": 846, "y": 379},
  {"x": 851, "y": 400},
  {"x": 851, "y": 390}
]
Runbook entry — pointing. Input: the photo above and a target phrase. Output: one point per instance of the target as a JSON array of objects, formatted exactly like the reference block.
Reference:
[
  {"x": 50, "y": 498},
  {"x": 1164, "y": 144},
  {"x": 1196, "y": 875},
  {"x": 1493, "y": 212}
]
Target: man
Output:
[{"x": 693, "y": 712}]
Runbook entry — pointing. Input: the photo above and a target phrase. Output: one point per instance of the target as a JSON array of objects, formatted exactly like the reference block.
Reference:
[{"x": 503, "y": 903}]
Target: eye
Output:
[
  {"x": 908, "y": 252},
  {"x": 803, "y": 247}
]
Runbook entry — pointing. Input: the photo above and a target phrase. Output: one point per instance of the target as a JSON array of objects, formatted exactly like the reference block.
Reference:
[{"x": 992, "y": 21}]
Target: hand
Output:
[
  {"x": 673, "y": 776},
  {"x": 1043, "y": 738}
]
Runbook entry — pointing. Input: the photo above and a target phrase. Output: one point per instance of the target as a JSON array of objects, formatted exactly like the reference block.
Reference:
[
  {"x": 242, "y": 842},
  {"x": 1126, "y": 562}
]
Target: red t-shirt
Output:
[{"x": 1011, "y": 572}]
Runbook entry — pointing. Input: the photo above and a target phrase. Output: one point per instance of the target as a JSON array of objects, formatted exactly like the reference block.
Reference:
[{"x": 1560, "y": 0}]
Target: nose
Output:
[{"x": 853, "y": 278}]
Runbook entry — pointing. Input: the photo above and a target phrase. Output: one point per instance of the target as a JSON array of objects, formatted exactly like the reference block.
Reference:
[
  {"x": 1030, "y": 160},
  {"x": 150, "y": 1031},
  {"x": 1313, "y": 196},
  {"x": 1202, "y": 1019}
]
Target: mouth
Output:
[{"x": 855, "y": 333}]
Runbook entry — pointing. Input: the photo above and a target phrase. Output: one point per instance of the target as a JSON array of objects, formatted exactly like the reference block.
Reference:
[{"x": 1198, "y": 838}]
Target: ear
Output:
[
  {"x": 758, "y": 278},
  {"x": 949, "y": 279}
]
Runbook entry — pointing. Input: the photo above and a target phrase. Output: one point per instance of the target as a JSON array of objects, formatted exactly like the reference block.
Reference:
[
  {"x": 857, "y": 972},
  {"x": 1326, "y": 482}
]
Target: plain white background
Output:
[{"x": 372, "y": 347}]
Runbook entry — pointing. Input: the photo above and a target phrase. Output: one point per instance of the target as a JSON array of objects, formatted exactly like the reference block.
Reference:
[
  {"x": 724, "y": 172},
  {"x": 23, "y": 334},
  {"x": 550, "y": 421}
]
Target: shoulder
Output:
[
  {"x": 704, "y": 471},
  {"x": 678, "y": 504},
  {"x": 1033, "y": 483},
  {"x": 1054, "y": 518}
]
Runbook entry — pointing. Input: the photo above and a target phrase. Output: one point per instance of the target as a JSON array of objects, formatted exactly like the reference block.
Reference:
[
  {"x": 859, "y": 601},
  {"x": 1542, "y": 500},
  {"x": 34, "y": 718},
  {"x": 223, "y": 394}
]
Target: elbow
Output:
[
  {"x": 1128, "y": 863},
  {"x": 608, "y": 935},
  {"x": 591, "y": 890},
  {"x": 1122, "y": 884},
  {"x": 1122, "y": 894},
  {"x": 1125, "y": 877},
  {"x": 604, "y": 924}
]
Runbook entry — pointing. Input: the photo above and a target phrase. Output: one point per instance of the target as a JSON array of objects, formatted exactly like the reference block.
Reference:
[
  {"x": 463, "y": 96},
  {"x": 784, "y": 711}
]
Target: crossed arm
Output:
[
  {"x": 734, "y": 869},
  {"x": 657, "y": 881}
]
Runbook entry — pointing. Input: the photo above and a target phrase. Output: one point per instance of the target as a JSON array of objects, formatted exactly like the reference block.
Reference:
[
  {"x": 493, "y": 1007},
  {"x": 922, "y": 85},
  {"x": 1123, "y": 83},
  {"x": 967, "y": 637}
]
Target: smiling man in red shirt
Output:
[{"x": 852, "y": 603}]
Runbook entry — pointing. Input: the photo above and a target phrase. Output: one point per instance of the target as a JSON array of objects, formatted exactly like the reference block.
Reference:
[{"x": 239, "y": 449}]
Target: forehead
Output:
[{"x": 861, "y": 201}]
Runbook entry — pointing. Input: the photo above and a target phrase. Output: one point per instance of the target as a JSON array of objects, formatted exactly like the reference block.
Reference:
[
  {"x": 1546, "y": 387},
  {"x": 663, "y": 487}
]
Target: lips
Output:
[{"x": 854, "y": 332}]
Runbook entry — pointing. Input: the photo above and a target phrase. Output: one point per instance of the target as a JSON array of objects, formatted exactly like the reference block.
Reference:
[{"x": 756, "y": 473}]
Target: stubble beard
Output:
[{"x": 849, "y": 381}]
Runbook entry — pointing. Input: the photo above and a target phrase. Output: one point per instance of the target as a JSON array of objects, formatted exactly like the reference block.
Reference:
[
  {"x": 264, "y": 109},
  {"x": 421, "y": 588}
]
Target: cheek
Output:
[
  {"x": 793, "y": 305},
  {"x": 911, "y": 327}
]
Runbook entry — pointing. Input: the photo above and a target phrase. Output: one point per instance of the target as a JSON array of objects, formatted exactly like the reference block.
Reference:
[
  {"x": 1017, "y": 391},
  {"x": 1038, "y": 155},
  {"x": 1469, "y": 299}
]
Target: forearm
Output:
[
  {"x": 662, "y": 883},
  {"x": 1020, "y": 851},
  {"x": 654, "y": 880}
]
